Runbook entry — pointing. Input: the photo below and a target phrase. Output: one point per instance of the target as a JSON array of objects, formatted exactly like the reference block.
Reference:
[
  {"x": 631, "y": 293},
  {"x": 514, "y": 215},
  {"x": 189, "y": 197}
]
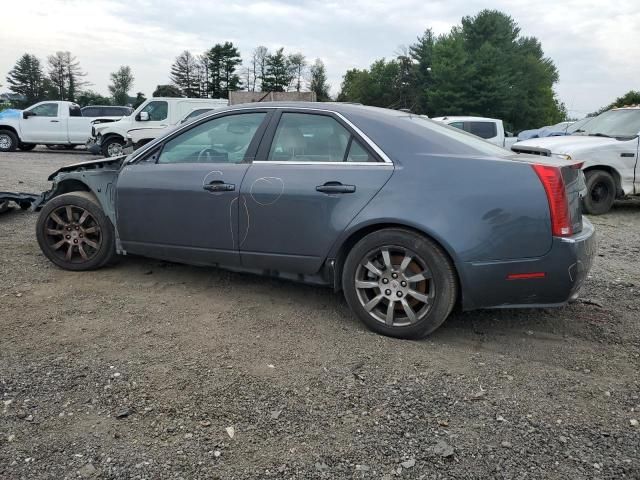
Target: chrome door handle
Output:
[
  {"x": 335, "y": 187},
  {"x": 219, "y": 186}
]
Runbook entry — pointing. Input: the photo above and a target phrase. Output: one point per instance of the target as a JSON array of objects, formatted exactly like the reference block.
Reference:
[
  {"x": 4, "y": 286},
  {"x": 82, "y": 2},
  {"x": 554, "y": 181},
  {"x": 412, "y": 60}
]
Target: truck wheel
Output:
[
  {"x": 112, "y": 147},
  {"x": 74, "y": 233},
  {"x": 8, "y": 141},
  {"x": 601, "y": 192},
  {"x": 26, "y": 147}
]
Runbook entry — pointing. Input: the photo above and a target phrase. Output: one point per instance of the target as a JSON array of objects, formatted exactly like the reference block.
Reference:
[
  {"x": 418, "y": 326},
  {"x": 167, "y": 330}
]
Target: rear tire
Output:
[
  {"x": 8, "y": 141},
  {"x": 399, "y": 283},
  {"x": 601, "y": 192},
  {"x": 26, "y": 147},
  {"x": 74, "y": 233},
  {"x": 112, "y": 147}
]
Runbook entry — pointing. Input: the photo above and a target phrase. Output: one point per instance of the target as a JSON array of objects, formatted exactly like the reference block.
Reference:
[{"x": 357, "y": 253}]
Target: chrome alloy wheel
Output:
[
  {"x": 394, "y": 285},
  {"x": 5, "y": 141}
]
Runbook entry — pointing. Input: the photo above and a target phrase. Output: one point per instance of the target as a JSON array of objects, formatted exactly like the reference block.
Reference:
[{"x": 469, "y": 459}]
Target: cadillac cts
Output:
[{"x": 407, "y": 216}]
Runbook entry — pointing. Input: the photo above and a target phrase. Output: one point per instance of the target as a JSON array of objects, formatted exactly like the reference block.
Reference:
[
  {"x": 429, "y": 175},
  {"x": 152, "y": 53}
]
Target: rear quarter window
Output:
[{"x": 482, "y": 129}]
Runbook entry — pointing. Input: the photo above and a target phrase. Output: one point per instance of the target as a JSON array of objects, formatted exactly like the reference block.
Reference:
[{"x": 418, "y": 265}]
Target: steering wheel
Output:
[{"x": 206, "y": 155}]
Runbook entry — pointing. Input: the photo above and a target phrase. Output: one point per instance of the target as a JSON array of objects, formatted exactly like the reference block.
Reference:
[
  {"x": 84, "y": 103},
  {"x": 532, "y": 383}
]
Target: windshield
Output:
[
  {"x": 615, "y": 123},
  {"x": 579, "y": 125},
  {"x": 482, "y": 147}
]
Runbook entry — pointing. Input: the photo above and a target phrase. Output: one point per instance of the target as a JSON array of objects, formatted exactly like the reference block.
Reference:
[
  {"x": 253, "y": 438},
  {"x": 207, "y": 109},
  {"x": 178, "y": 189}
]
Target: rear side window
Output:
[
  {"x": 305, "y": 137},
  {"x": 482, "y": 129},
  {"x": 113, "y": 111},
  {"x": 196, "y": 113},
  {"x": 90, "y": 112}
]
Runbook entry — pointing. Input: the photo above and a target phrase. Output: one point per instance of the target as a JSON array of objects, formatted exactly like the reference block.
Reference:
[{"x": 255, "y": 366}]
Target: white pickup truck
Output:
[
  {"x": 608, "y": 145},
  {"x": 45, "y": 123},
  {"x": 491, "y": 129},
  {"x": 156, "y": 113}
]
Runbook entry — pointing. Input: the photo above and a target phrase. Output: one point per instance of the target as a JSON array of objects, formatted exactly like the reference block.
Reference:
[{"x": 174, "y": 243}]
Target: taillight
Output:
[{"x": 551, "y": 179}]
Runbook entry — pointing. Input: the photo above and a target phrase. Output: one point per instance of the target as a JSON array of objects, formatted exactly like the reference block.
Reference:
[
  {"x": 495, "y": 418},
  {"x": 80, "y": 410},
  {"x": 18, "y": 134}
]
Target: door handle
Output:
[
  {"x": 54, "y": 121},
  {"x": 219, "y": 186},
  {"x": 335, "y": 187}
]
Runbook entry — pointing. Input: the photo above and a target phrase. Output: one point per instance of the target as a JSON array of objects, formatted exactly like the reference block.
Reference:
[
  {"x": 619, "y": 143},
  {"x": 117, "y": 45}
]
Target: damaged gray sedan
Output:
[{"x": 408, "y": 217}]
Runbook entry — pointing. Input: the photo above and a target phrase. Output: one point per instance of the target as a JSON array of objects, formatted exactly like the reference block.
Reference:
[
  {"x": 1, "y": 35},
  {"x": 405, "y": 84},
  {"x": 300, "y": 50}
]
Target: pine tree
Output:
[
  {"x": 222, "y": 61},
  {"x": 185, "y": 75},
  {"x": 27, "y": 78},
  {"x": 121, "y": 83},
  {"x": 318, "y": 83},
  {"x": 277, "y": 76}
]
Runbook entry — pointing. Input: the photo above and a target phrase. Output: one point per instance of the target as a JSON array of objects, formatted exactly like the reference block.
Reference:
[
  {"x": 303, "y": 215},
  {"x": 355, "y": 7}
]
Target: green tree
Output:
[
  {"x": 422, "y": 54},
  {"x": 298, "y": 70},
  {"x": 27, "y": 78},
  {"x": 376, "y": 86},
  {"x": 167, "y": 91},
  {"x": 185, "y": 74},
  {"x": 89, "y": 97},
  {"x": 318, "y": 82},
  {"x": 121, "y": 83},
  {"x": 277, "y": 75},
  {"x": 632, "y": 97},
  {"x": 140, "y": 99},
  {"x": 66, "y": 75},
  {"x": 223, "y": 61}
]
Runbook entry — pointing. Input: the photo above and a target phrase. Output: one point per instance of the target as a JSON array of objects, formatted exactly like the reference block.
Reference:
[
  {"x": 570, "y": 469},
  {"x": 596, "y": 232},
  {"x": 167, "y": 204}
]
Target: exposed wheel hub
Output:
[{"x": 394, "y": 284}]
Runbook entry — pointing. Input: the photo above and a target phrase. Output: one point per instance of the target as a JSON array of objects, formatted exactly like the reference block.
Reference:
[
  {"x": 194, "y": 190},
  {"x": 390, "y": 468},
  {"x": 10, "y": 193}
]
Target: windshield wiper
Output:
[{"x": 600, "y": 135}]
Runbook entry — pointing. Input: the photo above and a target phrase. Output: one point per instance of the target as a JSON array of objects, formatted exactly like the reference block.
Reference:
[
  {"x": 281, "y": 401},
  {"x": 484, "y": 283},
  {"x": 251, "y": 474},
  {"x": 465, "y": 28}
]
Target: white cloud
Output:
[{"x": 594, "y": 44}]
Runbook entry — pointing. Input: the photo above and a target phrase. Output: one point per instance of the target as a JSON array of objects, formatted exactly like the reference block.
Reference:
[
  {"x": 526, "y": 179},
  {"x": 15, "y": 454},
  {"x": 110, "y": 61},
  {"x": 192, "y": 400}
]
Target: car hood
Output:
[
  {"x": 112, "y": 162},
  {"x": 569, "y": 145},
  {"x": 10, "y": 113}
]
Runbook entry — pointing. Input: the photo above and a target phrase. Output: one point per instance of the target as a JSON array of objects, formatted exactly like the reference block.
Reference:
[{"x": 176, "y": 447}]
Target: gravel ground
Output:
[{"x": 153, "y": 370}]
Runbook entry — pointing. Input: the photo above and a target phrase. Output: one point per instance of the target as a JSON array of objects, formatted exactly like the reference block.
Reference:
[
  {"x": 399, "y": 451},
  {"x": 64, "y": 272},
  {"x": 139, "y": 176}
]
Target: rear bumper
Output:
[{"x": 565, "y": 268}]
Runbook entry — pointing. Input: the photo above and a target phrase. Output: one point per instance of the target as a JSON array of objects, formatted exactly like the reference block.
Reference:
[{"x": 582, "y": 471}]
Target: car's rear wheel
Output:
[
  {"x": 74, "y": 233},
  {"x": 601, "y": 192},
  {"x": 112, "y": 147},
  {"x": 8, "y": 141},
  {"x": 399, "y": 283}
]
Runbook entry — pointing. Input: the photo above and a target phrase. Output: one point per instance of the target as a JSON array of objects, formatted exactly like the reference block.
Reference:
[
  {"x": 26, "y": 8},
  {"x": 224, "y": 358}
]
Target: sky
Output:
[{"x": 595, "y": 44}]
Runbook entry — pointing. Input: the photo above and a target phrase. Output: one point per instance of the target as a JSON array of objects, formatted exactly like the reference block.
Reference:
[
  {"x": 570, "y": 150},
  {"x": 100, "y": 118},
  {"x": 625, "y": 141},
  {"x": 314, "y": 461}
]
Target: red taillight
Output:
[{"x": 551, "y": 179}]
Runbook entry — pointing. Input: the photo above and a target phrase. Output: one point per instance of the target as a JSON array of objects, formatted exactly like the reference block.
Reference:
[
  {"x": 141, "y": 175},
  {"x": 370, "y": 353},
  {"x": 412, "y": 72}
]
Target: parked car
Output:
[
  {"x": 138, "y": 137},
  {"x": 491, "y": 129},
  {"x": 608, "y": 147},
  {"x": 547, "y": 131},
  {"x": 109, "y": 139},
  {"x": 367, "y": 200},
  {"x": 45, "y": 123},
  {"x": 106, "y": 111}
]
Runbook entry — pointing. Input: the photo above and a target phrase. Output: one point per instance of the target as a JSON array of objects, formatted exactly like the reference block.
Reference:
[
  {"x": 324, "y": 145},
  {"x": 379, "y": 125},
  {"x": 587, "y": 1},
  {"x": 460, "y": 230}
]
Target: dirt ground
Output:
[{"x": 150, "y": 370}]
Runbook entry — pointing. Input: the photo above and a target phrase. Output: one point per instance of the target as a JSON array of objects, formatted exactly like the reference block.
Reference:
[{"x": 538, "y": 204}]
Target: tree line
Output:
[
  {"x": 219, "y": 70},
  {"x": 64, "y": 79},
  {"x": 483, "y": 67}
]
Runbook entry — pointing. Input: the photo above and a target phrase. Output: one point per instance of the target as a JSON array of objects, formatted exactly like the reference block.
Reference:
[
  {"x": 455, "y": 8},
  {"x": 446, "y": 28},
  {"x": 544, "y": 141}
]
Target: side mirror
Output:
[
  {"x": 143, "y": 117},
  {"x": 27, "y": 113}
]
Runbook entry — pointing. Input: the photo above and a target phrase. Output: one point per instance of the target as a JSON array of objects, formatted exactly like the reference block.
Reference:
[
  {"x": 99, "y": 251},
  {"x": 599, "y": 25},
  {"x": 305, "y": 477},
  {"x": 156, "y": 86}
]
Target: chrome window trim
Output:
[
  {"x": 385, "y": 158},
  {"x": 355, "y": 164}
]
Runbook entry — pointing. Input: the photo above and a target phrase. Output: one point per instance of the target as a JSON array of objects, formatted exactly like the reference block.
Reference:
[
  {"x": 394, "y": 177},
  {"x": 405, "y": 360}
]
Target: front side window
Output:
[
  {"x": 304, "y": 137},
  {"x": 220, "y": 140},
  {"x": 46, "y": 110},
  {"x": 157, "y": 110},
  {"x": 482, "y": 129}
]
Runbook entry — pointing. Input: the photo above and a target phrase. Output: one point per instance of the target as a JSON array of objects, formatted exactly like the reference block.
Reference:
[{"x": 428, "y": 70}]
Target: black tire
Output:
[
  {"x": 601, "y": 192},
  {"x": 95, "y": 229},
  {"x": 26, "y": 147},
  {"x": 439, "y": 290},
  {"x": 8, "y": 141},
  {"x": 108, "y": 145}
]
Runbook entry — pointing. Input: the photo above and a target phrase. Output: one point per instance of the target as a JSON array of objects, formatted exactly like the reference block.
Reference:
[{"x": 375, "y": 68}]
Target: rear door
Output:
[
  {"x": 180, "y": 201},
  {"x": 47, "y": 125},
  {"x": 78, "y": 127},
  {"x": 312, "y": 175}
]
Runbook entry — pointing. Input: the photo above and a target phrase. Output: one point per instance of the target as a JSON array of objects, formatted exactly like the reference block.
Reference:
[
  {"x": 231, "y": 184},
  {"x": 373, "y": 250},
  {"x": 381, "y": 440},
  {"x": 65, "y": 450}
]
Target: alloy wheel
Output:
[
  {"x": 73, "y": 234},
  {"x": 394, "y": 285},
  {"x": 5, "y": 141}
]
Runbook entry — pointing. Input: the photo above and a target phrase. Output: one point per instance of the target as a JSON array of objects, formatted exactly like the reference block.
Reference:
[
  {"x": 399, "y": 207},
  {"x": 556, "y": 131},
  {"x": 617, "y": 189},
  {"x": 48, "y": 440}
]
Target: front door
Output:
[
  {"x": 315, "y": 176},
  {"x": 46, "y": 125},
  {"x": 180, "y": 201}
]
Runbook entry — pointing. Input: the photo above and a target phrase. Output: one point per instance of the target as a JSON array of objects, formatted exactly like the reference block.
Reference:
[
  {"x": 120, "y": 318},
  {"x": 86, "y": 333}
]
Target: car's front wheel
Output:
[
  {"x": 74, "y": 233},
  {"x": 399, "y": 283},
  {"x": 8, "y": 141},
  {"x": 112, "y": 147}
]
